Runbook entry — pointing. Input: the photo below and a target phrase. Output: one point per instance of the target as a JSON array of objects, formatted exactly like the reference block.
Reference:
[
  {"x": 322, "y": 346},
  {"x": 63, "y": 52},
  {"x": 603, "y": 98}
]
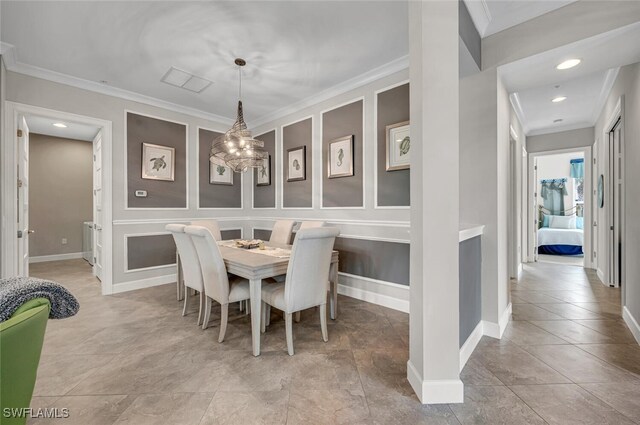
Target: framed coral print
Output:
[
  {"x": 158, "y": 162},
  {"x": 297, "y": 164},
  {"x": 398, "y": 146},
  {"x": 341, "y": 157},
  {"x": 219, "y": 173},
  {"x": 264, "y": 172}
]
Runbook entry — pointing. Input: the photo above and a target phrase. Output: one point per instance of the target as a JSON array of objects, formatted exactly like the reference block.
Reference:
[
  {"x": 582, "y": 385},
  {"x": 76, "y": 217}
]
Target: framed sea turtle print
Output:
[
  {"x": 158, "y": 162},
  {"x": 220, "y": 173},
  {"x": 341, "y": 157},
  {"x": 263, "y": 172},
  {"x": 398, "y": 146},
  {"x": 297, "y": 164}
]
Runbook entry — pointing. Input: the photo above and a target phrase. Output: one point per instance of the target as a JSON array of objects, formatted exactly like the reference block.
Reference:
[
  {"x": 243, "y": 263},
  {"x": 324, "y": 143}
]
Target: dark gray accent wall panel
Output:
[
  {"x": 343, "y": 121},
  {"x": 298, "y": 194},
  {"x": 150, "y": 251},
  {"x": 265, "y": 196},
  {"x": 231, "y": 234},
  {"x": 470, "y": 286},
  {"x": 393, "y": 108},
  {"x": 215, "y": 195},
  {"x": 387, "y": 261},
  {"x": 265, "y": 235},
  {"x": 160, "y": 194},
  {"x": 469, "y": 33}
]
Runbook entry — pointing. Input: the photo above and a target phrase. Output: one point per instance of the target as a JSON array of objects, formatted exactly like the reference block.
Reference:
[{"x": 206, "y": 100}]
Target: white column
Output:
[{"x": 433, "y": 367}]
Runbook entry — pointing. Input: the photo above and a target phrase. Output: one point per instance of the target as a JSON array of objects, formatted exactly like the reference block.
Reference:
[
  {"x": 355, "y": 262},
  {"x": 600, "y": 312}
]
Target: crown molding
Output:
[
  {"x": 607, "y": 85},
  {"x": 480, "y": 15},
  {"x": 560, "y": 129},
  {"x": 363, "y": 79},
  {"x": 13, "y": 65}
]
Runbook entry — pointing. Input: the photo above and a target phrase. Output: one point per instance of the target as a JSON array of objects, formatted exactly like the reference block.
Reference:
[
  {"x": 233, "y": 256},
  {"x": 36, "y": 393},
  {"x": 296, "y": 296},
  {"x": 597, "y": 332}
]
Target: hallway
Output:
[{"x": 566, "y": 354}]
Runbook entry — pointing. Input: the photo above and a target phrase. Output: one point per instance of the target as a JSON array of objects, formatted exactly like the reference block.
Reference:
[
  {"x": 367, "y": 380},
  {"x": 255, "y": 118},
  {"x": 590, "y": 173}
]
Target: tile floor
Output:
[{"x": 566, "y": 357}]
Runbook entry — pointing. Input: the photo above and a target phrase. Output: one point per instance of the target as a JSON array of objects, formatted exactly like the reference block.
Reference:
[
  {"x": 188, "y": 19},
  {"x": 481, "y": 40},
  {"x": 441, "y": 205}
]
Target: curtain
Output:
[
  {"x": 577, "y": 168},
  {"x": 553, "y": 193}
]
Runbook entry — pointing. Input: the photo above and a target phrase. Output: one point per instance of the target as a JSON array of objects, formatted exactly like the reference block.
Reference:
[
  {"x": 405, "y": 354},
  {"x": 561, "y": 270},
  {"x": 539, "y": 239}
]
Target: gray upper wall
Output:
[
  {"x": 160, "y": 194},
  {"x": 343, "y": 121},
  {"x": 265, "y": 196},
  {"x": 60, "y": 193},
  {"x": 562, "y": 140},
  {"x": 298, "y": 194},
  {"x": 215, "y": 195},
  {"x": 393, "y": 108},
  {"x": 469, "y": 33}
]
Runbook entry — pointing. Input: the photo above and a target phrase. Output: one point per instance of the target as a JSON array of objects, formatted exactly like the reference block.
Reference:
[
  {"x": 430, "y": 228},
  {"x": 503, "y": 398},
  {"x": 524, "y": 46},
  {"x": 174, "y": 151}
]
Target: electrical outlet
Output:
[{"x": 64, "y": 241}]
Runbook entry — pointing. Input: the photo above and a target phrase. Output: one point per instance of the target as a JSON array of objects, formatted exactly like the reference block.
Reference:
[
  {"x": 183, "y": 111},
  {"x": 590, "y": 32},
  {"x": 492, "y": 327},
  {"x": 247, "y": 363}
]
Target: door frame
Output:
[
  {"x": 8, "y": 185},
  {"x": 532, "y": 185}
]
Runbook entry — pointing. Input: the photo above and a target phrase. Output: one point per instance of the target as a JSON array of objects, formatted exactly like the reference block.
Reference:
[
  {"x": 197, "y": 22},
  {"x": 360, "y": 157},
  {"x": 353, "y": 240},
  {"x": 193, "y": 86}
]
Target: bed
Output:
[{"x": 560, "y": 235}]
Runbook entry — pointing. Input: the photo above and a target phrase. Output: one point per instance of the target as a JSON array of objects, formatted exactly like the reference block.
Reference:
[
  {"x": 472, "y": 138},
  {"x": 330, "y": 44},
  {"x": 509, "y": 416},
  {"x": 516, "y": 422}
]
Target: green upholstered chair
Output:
[{"x": 21, "y": 339}]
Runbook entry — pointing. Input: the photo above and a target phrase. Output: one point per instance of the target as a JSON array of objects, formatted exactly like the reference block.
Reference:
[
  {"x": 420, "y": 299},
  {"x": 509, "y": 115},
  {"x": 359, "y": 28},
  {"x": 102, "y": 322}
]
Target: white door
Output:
[
  {"x": 594, "y": 208},
  {"x": 615, "y": 203},
  {"x": 97, "y": 206},
  {"x": 536, "y": 213},
  {"x": 23, "y": 198}
]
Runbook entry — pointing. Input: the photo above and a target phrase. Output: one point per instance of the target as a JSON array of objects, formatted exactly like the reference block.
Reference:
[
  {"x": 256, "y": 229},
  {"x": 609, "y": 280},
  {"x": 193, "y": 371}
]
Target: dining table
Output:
[{"x": 257, "y": 267}]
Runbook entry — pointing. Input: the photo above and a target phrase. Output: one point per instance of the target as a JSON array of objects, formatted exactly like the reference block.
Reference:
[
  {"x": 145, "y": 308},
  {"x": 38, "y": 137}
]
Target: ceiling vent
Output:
[{"x": 179, "y": 78}]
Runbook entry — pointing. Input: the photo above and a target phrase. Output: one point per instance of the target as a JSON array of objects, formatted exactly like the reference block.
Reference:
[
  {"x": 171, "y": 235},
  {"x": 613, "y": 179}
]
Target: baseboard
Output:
[
  {"x": 470, "y": 344},
  {"x": 143, "y": 283},
  {"x": 495, "y": 330},
  {"x": 520, "y": 270},
  {"x": 56, "y": 257},
  {"x": 600, "y": 274},
  {"x": 632, "y": 323},
  {"x": 440, "y": 391},
  {"x": 386, "y": 294}
]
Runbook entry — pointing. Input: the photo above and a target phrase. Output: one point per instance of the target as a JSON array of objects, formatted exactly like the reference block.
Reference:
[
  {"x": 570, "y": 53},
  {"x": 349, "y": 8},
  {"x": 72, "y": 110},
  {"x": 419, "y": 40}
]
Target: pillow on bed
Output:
[
  {"x": 580, "y": 223},
  {"x": 545, "y": 220},
  {"x": 562, "y": 222}
]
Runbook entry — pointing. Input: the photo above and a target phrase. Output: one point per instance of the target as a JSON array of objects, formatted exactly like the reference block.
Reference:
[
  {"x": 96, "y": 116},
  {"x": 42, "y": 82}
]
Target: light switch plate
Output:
[{"x": 141, "y": 193}]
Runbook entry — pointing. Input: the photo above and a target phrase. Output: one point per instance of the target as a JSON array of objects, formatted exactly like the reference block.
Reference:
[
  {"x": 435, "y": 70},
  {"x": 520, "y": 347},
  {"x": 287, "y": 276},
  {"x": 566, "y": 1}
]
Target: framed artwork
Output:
[
  {"x": 398, "y": 146},
  {"x": 601, "y": 191},
  {"x": 220, "y": 173},
  {"x": 264, "y": 172},
  {"x": 158, "y": 162},
  {"x": 297, "y": 164},
  {"x": 341, "y": 157}
]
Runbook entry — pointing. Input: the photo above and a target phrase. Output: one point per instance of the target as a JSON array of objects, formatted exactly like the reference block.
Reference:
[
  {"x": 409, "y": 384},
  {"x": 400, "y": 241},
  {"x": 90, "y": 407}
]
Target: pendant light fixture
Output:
[{"x": 237, "y": 148}]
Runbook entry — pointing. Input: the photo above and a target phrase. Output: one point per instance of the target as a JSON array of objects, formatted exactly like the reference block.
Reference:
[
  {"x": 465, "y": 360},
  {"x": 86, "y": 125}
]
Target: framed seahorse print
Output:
[{"x": 341, "y": 157}]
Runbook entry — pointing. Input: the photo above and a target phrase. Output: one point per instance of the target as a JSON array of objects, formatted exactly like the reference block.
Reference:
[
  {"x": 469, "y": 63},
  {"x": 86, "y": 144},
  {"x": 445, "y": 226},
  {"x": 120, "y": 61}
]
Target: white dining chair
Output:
[
  {"x": 281, "y": 232},
  {"x": 218, "y": 285},
  {"x": 210, "y": 224},
  {"x": 188, "y": 257},
  {"x": 311, "y": 224},
  {"x": 307, "y": 281}
]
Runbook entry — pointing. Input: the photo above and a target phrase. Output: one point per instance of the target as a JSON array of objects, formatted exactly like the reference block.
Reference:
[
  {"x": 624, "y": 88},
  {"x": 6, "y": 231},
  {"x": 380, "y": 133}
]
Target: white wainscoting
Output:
[
  {"x": 56, "y": 257},
  {"x": 386, "y": 294}
]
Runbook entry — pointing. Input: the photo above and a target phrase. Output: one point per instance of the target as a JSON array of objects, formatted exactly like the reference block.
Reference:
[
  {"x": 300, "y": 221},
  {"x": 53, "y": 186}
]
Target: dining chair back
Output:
[
  {"x": 307, "y": 282},
  {"x": 311, "y": 224},
  {"x": 281, "y": 232},
  {"x": 214, "y": 272},
  {"x": 212, "y": 225},
  {"x": 190, "y": 263}
]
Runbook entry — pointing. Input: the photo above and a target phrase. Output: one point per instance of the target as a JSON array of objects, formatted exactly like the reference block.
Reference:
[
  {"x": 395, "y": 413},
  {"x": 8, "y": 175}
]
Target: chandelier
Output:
[{"x": 237, "y": 148}]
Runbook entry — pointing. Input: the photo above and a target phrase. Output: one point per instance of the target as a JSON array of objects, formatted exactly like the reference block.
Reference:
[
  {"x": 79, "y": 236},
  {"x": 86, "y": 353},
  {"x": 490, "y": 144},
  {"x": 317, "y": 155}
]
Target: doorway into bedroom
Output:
[{"x": 560, "y": 206}]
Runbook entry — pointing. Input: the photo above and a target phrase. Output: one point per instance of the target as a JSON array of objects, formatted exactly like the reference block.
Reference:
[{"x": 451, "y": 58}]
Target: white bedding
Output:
[{"x": 548, "y": 236}]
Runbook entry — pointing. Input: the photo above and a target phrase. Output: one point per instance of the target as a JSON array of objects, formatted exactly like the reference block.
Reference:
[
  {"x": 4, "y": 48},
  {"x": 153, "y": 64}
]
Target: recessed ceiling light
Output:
[
  {"x": 568, "y": 64},
  {"x": 59, "y": 124},
  {"x": 559, "y": 99},
  {"x": 558, "y": 120}
]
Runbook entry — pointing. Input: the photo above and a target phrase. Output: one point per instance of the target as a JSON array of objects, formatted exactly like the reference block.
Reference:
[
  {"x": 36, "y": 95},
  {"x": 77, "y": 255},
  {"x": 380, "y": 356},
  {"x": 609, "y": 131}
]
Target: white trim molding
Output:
[
  {"x": 387, "y": 294},
  {"x": 632, "y": 323},
  {"x": 143, "y": 283},
  {"x": 495, "y": 330},
  {"x": 55, "y": 257},
  {"x": 436, "y": 391},
  {"x": 309, "y": 169},
  {"x": 274, "y": 173},
  {"x": 470, "y": 344}
]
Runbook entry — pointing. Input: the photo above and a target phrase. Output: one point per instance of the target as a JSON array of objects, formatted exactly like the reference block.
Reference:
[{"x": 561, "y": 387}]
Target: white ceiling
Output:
[
  {"x": 492, "y": 16},
  {"x": 294, "y": 49},
  {"x": 75, "y": 131},
  {"x": 533, "y": 80}
]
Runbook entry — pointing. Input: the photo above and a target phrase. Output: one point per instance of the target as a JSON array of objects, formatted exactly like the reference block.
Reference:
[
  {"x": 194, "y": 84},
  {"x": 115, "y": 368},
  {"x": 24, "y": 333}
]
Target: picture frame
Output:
[
  {"x": 220, "y": 173},
  {"x": 297, "y": 164},
  {"x": 158, "y": 162},
  {"x": 398, "y": 146},
  {"x": 341, "y": 157},
  {"x": 263, "y": 173}
]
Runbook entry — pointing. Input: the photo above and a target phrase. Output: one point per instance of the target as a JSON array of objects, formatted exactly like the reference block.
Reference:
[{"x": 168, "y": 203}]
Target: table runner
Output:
[{"x": 268, "y": 250}]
